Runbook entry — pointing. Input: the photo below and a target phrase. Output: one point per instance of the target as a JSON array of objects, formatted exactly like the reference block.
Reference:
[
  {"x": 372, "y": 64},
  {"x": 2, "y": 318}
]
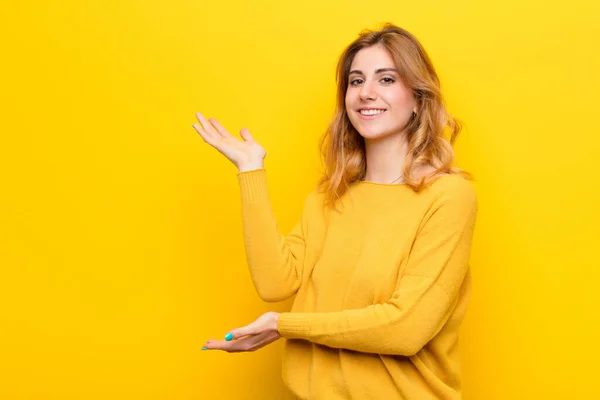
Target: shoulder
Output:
[
  {"x": 447, "y": 183},
  {"x": 452, "y": 183},
  {"x": 453, "y": 190},
  {"x": 314, "y": 212},
  {"x": 314, "y": 201}
]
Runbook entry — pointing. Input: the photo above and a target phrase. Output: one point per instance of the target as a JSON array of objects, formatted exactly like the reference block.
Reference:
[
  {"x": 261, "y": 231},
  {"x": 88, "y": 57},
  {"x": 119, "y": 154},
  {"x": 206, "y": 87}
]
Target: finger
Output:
[
  {"x": 245, "y": 133},
  {"x": 208, "y": 138},
  {"x": 230, "y": 347},
  {"x": 238, "y": 333},
  {"x": 216, "y": 345},
  {"x": 219, "y": 128},
  {"x": 206, "y": 126}
]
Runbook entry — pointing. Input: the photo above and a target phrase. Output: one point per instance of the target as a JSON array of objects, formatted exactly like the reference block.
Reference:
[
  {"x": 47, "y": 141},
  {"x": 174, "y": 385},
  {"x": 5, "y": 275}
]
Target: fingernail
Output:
[
  {"x": 205, "y": 348},
  {"x": 229, "y": 336}
]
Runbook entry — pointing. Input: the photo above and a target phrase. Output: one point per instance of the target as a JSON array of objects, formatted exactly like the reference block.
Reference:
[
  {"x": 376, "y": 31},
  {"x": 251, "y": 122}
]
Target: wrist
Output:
[
  {"x": 250, "y": 167},
  {"x": 276, "y": 321}
]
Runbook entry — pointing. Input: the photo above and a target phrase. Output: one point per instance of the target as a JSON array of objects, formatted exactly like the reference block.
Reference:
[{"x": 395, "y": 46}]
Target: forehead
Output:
[{"x": 372, "y": 58}]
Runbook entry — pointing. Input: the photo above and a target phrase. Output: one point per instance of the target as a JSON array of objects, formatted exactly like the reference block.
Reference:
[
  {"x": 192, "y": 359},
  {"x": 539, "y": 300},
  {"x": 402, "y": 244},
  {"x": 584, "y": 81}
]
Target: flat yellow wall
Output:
[{"x": 120, "y": 244}]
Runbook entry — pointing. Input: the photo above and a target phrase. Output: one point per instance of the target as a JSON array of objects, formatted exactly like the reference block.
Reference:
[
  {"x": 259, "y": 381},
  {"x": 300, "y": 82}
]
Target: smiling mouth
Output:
[{"x": 372, "y": 112}]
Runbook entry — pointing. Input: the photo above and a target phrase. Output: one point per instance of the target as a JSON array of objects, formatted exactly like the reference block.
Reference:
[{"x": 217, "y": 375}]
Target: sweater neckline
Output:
[
  {"x": 381, "y": 184},
  {"x": 377, "y": 184}
]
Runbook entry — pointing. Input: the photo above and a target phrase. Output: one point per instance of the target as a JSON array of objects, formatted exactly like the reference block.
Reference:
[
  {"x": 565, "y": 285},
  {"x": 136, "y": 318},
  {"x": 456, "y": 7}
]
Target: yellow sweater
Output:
[{"x": 381, "y": 288}]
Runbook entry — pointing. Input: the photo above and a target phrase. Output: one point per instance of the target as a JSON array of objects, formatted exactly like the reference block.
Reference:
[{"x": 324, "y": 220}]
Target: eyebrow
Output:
[{"x": 377, "y": 71}]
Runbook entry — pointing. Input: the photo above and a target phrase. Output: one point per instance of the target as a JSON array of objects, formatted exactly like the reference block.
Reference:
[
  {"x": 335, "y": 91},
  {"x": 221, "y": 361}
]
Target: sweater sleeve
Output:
[
  {"x": 275, "y": 260},
  {"x": 424, "y": 298}
]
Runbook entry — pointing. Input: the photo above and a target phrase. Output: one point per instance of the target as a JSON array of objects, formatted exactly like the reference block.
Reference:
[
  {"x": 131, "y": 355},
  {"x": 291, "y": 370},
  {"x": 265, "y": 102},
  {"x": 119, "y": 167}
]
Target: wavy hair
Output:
[{"x": 343, "y": 148}]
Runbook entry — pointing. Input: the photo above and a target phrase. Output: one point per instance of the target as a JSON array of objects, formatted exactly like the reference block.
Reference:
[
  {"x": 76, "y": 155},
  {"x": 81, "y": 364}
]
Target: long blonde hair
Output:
[{"x": 343, "y": 148}]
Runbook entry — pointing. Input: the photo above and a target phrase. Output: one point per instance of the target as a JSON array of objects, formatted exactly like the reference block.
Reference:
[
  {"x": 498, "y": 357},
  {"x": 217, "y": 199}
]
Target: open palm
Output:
[
  {"x": 251, "y": 337},
  {"x": 244, "y": 154}
]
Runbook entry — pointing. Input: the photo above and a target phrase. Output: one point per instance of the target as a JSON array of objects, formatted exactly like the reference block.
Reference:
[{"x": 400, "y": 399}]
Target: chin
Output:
[{"x": 373, "y": 134}]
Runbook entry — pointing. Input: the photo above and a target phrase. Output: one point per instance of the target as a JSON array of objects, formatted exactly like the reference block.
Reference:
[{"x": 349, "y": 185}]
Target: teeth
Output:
[{"x": 371, "y": 112}]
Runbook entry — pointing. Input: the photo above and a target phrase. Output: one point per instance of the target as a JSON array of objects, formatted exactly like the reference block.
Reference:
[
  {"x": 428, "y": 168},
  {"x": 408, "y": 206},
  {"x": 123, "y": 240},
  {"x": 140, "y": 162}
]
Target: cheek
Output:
[
  {"x": 349, "y": 107},
  {"x": 402, "y": 99},
  {"x": 348, "y": 99}
]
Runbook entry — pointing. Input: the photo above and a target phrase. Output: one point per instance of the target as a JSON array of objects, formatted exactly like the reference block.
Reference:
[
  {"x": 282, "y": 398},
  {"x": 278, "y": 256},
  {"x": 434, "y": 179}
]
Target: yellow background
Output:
[{"x": 120, "y": 244}]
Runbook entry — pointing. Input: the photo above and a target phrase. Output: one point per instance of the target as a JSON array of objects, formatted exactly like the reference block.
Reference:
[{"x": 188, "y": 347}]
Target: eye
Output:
[
  {"x": 355, "y": 82},
  {"x": 388, "y": 80}
]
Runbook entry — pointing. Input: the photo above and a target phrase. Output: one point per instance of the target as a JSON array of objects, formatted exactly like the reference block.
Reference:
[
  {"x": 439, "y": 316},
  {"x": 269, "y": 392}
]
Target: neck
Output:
[{"x": 385, "y": 159}]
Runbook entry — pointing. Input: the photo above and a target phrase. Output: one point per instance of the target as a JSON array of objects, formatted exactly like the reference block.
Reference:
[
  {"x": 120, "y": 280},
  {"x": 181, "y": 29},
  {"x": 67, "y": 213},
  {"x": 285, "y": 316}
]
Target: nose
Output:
[{"x": 367, "y": 91}]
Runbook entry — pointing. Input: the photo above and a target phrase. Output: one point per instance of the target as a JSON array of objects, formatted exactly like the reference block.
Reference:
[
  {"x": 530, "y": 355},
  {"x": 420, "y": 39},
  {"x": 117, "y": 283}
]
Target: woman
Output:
[{"x": 379, "y": 260}]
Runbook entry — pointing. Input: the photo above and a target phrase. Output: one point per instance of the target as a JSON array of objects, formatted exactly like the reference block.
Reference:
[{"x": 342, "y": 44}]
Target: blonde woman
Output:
[{"x": 379, "y": 260}]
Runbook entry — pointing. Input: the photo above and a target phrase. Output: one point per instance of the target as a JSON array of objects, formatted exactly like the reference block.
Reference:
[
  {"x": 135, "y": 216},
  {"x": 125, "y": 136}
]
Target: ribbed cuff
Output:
[
  {"x": 294, "y": 325},
  {"x": 253, "y": 185}
]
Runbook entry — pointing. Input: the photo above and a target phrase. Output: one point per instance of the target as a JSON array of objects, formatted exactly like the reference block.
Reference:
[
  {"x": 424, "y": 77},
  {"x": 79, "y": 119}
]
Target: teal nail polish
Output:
[
  {"x": 204, "y": 348},
  {"x": 229, "y": 336}
]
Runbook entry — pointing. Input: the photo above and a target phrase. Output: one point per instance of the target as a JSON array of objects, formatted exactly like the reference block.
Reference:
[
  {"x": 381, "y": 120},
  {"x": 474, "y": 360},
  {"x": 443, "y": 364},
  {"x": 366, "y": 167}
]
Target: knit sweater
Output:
[{"x": 381, "y": 287}]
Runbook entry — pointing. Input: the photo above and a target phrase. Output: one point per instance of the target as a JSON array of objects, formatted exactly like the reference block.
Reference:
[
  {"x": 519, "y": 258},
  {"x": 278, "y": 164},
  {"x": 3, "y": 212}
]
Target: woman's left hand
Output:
[{"x": 252, "y": 337}]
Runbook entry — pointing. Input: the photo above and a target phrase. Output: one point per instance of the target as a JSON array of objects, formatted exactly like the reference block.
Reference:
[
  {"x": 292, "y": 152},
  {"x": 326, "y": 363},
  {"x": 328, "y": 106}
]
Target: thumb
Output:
[
  {"x": 241, "y": 332},
  {"x": 245, "y": 133}
]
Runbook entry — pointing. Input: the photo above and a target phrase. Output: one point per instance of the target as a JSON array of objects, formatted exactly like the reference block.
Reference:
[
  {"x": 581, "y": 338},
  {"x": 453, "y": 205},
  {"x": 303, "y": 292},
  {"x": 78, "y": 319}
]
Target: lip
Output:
[{"x": 370, "y": 116}]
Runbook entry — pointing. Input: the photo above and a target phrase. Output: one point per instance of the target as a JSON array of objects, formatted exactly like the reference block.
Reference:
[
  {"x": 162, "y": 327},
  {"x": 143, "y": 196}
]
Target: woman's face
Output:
[{"x": 377, "y": 102}]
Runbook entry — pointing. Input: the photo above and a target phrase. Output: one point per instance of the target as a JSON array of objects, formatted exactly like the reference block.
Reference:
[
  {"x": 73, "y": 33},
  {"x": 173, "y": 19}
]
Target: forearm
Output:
[
  {"x": 401, "y": 326},
  {"x": 273, "y": 259}
]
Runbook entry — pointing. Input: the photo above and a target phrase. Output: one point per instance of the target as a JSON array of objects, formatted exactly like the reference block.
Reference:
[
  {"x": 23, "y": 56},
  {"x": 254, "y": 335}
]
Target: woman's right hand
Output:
[{"x": 245, "y": 155}]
